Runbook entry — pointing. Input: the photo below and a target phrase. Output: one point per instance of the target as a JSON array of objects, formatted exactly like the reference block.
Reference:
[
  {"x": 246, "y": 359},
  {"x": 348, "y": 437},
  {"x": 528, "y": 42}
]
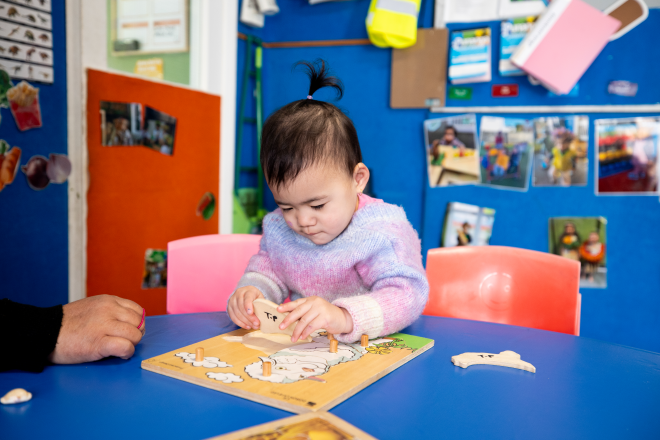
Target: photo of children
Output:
[
  {"x": 121, "y": 124},
  {"x": 159, "y": 130},
  {"x": 467, "y": 225},
  {"x": 560, "y": 151},
  {"x": 155, "y": 269},
  {"x": 582, "y": 239},
  {"x": 451, "y": 150},
  {"x": 627, "y": 156},
  {"x": 506, "y": 145}
]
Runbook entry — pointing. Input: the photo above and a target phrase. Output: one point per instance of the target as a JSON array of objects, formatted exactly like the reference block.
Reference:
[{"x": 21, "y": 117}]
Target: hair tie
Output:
[{"x": 309, "y": 96}]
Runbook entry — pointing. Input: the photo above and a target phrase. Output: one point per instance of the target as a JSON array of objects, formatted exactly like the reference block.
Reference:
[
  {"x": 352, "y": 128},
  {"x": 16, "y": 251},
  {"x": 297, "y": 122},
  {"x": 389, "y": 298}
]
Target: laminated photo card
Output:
[
  {"x": 469, "y": 56},
  {"x": 506, "y": 150},
  {"x": 627, "y": 156},
  {"x": 451, "y": 150},
  {"x": 582, "y": 239},
  {"x": 560, "y": 151},
  {"x": 467, "y": 225},
  {"x": 512, "y": 32}
]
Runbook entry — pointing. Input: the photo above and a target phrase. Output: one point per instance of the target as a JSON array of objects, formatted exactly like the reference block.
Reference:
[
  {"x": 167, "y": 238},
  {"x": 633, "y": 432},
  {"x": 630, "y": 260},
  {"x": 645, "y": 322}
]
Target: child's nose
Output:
[{"x": 305, "y": 219}]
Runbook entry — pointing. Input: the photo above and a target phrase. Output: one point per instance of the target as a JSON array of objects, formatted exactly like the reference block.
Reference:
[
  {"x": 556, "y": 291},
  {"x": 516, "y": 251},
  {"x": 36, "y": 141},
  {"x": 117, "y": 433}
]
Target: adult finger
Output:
[
  {"x": 127, "y": 303},
  {"x": 125, "y": 331},
  {"x": 303, "y": 322},
  {"x": 128, "y": 316},
  {"x": 116, "y": 346},
  {"x": 295, "y": 315}
]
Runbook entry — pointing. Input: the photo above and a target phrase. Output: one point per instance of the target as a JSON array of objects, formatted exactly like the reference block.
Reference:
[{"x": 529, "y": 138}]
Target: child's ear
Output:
[{"x": 360, "y": 176}]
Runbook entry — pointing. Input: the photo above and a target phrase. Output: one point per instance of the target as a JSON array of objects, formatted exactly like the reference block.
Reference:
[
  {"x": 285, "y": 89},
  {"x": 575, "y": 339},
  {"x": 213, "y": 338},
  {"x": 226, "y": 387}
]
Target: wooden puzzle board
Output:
[
  {"x": 305, "y": 377},
  {"x": 319, "y": 425}
]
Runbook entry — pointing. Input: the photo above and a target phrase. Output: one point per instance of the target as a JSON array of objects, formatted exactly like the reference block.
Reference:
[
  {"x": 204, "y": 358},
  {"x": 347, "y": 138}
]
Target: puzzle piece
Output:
[
  {"x": 504, "y": 359},
  {"x": 270, "y": 318}
]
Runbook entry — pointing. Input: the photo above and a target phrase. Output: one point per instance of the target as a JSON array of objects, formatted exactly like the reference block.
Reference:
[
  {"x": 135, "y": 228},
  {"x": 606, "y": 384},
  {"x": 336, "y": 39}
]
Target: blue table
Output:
[{"x": 582, "y": 389}]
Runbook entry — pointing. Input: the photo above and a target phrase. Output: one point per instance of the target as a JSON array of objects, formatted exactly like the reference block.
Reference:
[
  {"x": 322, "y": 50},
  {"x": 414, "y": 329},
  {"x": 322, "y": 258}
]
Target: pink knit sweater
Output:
[{"x": 373, "y": 269}]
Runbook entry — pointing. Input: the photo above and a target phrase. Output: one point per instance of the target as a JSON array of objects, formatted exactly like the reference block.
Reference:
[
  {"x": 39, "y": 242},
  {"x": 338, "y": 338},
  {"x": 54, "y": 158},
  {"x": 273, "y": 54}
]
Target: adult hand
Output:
[
  {"x": 315, "y": 313},
  {"x": 98, "y": 327},
  {"x": 240, "y": 308}
]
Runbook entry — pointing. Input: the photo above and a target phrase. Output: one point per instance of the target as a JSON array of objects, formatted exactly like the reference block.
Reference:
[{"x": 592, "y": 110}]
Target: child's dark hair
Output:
[{"x": 306, "y": 132}]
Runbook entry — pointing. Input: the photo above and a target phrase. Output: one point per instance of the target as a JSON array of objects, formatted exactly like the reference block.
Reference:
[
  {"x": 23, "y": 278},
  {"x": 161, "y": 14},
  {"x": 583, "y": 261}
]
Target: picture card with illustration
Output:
[
  {"x": 561, "y": 151},
  {"x": 159, "y": 130},
  {"x": 451, "y": 150},
  {"x": 582, "y": 239},
  {"x": 467, "y": 225},
  {"x": 627, "y": 156},
  {"x": 121, "y": 124},
  {"x": 155, "y": 269},
  {"x": 506, "y": 149}
]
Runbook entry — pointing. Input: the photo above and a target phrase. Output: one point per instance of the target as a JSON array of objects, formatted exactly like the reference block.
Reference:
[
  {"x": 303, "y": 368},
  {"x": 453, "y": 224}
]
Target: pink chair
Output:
[
  {"x": 505, "y": 285},
  {"x": 203, "y": 271}
]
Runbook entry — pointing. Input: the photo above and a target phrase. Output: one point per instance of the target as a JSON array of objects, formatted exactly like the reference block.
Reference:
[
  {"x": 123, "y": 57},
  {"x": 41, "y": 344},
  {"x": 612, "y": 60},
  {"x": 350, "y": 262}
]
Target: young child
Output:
[{"x": 351, "y": 264}]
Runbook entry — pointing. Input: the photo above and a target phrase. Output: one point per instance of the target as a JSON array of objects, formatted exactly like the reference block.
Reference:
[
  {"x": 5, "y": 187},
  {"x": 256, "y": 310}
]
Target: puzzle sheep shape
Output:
[{"x": 305, "y": 376}]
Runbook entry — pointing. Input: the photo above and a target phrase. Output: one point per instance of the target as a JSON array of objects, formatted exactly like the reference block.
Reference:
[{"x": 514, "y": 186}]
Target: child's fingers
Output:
[
  {"x": 237, "y": 319},
  {"x": 316, "y": 324},
  {"x": 295, "y": 315},
  {"x": 287, "y": 307},
  {"x": 248, "y": 310},
  {"x": 303, "y": 322}
]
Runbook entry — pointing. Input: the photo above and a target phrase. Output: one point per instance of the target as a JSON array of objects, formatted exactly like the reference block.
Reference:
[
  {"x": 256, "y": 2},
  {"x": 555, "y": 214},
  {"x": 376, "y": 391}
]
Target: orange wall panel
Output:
[{"x": 139, "y": 198}]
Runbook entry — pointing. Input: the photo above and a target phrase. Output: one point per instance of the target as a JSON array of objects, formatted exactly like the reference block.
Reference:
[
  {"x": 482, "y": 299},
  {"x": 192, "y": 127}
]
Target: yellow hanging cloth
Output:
[{"x": 393, "y": 23}]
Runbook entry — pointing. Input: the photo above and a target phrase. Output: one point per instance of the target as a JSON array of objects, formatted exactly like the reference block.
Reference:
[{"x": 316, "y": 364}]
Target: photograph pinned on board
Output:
[
  {"x": 506, "y": 149},
  {"x": 24, "y": 104},
  {"x": 10, "y": 159},
  {"x": 467, "y": 225},
  {"x": 582, "y": 239},
  {"x": 451, "y": 150},
  {"x": 121, "y": 124},
  {"x": 159, "y": 131},
  {"x": 155, "y": 269},
  {"x": 627, "y": 156},
  {"x": 560, "y": 151},
  {"x": 206, "y": 206}
]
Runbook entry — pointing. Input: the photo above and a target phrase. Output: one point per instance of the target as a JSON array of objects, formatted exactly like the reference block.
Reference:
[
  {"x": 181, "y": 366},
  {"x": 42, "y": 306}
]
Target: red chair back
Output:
[{"x": 505, "y": 285}]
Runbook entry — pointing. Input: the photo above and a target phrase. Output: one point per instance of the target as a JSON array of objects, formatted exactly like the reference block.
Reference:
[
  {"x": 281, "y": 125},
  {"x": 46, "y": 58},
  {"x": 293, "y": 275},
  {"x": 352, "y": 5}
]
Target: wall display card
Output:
[
  {"x": 582, "y": 239},
  {"x": 471, "y": 11},
  {"x": 561, "y": 151},
  {"x": 155, "y": 269},
  {"x": 121, "y": 124},
  {"x": 159, "y": 131},
  {"x": 158, "y": 25},
  {"x": 506, "y": 150},
  {"x": 469, "y": 56},
  {"x": 31, "y": 72},
  {"x": 512, "y": 33},
  {"x": 42, "y": 5},
  {"x": 250, "y": 14},
  {"x": 10, "y": 159},
  {"x": 25, "y": 52},
  {"x": 25, "y": 34},
  {"x": 467, "y": 225},
  {"x": 627, "y": 156},
  {"x": 31, "y": 17},
  {"x": 24, "y": 105},
  {"x": 451, "y": 150}
]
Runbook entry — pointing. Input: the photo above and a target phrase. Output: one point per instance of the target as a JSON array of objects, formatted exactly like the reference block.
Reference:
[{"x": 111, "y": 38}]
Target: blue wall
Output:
[
  {"x": 33, "y": 224},
  {"x": 392, "y": 142}
]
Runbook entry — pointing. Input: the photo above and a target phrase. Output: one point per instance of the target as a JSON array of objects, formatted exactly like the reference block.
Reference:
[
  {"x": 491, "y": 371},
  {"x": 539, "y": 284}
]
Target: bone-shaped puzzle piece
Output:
[
  {"x": 270, "y": 318},
  {"x": 504, "y": 359}
]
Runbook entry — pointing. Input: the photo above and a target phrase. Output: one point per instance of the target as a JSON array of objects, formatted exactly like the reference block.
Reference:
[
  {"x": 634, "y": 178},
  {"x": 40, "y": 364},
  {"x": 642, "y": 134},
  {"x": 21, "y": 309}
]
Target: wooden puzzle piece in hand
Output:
[
  {"x": 504, "y": 359},
  {"x": 270, "y": 318}
]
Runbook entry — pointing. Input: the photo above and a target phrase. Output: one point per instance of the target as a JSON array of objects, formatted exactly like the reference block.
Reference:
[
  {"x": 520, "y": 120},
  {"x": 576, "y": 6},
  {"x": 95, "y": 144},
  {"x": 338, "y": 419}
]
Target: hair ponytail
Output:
[{"x": 319, "y": 77}]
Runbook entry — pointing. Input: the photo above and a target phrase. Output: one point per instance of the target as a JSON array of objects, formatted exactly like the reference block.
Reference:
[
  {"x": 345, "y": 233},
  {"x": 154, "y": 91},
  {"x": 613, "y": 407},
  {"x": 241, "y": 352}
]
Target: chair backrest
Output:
[
  {"x": 505, "y": 285},
  {"x": 203, "y": 271}
]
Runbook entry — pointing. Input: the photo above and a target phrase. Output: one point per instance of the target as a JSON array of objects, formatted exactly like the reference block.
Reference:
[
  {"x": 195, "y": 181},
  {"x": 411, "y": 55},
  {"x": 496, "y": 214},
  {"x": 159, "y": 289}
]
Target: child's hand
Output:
[
  {"x": 315, "y": 313},
  {"x": 240, "y": 308}
]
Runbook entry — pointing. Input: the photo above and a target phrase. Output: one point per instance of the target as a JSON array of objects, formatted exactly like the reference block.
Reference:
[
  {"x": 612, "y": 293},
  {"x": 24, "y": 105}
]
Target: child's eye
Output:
[
  {"x": 317, "y": 207},
  {"x": 286, "y": 209}
]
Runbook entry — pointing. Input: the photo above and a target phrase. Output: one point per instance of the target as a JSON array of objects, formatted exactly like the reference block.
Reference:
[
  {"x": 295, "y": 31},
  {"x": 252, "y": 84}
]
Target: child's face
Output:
[
  {"x": 594, "y": 237},
  {"x": 449, "y": 135},
  {"x": 321, "y": 201}
]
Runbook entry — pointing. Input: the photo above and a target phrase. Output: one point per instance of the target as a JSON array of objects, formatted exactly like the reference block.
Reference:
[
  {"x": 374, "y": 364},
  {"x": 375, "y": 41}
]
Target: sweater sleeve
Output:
[
  {"x": 260, "y": 273},
  {"x": 398, "y": 288},
  {"x": 27, "y": 329}
]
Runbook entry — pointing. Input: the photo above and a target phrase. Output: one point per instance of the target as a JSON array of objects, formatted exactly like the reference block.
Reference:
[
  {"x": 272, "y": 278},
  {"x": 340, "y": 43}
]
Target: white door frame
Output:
[{"x": 214, "y": 27}]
